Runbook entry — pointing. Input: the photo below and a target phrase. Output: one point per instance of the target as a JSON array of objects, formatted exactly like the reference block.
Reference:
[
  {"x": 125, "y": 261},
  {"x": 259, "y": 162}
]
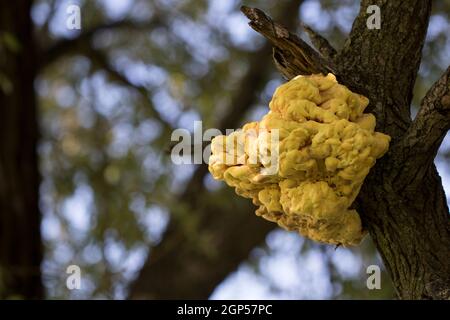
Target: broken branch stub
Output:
[{"x": 291, "y": 54}]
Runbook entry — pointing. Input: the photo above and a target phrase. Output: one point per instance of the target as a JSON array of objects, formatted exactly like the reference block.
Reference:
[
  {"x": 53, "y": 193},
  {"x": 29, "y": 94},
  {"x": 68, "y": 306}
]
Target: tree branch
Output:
[
  {"x": 68, "y": 46},
  {"x": 320, "y": 43},
  {"x": 433, "y": 120},
  {"x": 101, "y": 60},
  {"x": 292, "y": 55},
  {"x": 424, "y": 137}
]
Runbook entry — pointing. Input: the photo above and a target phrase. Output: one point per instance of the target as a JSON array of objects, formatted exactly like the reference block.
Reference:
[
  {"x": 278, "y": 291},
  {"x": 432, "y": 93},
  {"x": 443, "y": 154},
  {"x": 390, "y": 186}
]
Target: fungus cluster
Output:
[{"x": 324, "y": 149}]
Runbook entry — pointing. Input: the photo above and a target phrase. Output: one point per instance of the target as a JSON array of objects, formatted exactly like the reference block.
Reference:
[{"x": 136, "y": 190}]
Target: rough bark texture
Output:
[
  {"x": 402, "y": 202},
  {"x": 20, "y": 240}
]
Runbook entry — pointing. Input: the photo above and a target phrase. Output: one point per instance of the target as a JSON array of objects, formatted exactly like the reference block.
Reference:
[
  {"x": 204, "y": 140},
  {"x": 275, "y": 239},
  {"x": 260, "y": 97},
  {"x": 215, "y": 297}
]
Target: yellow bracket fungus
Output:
[{"x": 325, "y": 148}]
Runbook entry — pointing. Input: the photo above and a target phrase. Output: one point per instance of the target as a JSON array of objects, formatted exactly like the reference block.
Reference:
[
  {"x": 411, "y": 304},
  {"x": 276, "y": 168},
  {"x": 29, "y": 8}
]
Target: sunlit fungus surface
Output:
[{"x": 304, "y": 163}]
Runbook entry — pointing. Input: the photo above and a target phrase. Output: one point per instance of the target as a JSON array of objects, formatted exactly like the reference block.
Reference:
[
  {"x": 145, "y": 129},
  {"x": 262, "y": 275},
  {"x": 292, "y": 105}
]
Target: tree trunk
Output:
[
  {"x": 405, "y": 211},
  {"x": 402, "y": 202},
  {"x": 410, "y": 227},
  {"x": 20, "y": 239}
]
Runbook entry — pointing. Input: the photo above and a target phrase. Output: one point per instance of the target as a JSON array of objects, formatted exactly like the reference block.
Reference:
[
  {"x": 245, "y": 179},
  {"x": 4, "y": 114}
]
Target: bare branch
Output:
[
  {"x": 433, "y": 120},
  {"x": 424, "y": 137},
  {"x": 292, "y": 55},
  {"x": 101, "y": 60},
  {"x": 320, "y": 43},
  {"x": 68, "y": 46}
]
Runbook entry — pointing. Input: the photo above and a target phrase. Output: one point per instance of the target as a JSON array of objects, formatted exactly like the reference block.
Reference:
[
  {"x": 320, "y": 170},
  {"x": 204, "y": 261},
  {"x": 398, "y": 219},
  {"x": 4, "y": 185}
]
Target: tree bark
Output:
[
  {"x": 402, "y": 202},
  {"x": 20, "y": 239}
]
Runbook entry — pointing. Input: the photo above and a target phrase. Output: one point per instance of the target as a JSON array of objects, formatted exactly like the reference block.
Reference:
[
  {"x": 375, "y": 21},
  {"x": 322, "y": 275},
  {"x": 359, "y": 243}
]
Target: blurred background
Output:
[{"x": 109, "y": 96}]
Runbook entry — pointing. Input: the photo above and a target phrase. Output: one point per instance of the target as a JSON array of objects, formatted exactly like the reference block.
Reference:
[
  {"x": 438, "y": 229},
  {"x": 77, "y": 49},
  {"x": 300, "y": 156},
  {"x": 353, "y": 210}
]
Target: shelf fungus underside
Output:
[{"x": 314, "y": 149}]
